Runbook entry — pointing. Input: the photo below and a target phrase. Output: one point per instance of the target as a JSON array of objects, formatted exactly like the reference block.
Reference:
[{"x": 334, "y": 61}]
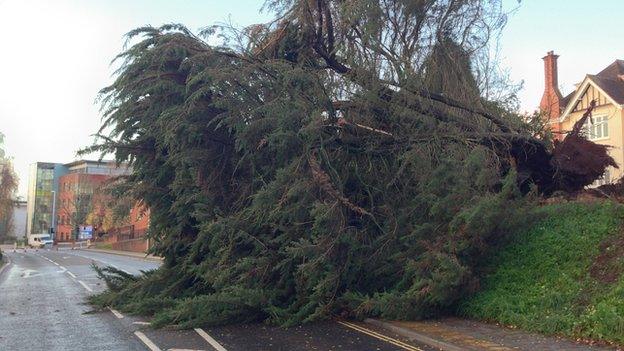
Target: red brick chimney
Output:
[{"x": 552, "y": 96}]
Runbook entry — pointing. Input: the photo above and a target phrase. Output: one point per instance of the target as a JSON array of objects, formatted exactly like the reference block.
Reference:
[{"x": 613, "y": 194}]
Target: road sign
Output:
[{"x": 85, "y": 232}]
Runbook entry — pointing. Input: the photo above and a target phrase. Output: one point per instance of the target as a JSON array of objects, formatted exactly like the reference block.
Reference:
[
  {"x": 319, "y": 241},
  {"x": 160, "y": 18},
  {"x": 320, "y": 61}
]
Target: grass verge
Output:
[
  {"x": 563, "y": 276},
  {"x": 104, "y": 246}
]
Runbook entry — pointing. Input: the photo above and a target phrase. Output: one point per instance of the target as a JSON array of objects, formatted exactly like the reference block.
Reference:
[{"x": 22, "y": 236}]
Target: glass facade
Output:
[{"x": 42, "y": 185}]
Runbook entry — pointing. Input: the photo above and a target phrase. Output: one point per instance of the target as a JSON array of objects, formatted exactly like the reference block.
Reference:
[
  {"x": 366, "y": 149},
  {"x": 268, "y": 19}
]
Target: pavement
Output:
[
  {"x": 454, "y": 334},
  {"x": 42, "y": 307}
]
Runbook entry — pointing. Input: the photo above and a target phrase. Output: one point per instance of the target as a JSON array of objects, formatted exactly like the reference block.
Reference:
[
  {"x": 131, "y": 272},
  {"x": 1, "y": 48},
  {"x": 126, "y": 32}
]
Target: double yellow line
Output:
[{"x": 376, "y": 335}]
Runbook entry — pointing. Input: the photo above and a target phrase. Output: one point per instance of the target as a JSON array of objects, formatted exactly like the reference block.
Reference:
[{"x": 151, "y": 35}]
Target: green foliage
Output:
[
  {"x": 558, "y": 277},
  {"x": 286, "y": 187},
  {"x": 114, "y": 278}
]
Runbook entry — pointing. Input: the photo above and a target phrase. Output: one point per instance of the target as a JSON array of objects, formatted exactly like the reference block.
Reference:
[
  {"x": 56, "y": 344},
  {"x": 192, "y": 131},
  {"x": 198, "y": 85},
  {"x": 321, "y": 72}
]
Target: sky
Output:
[{"x": 55, "y": 56}]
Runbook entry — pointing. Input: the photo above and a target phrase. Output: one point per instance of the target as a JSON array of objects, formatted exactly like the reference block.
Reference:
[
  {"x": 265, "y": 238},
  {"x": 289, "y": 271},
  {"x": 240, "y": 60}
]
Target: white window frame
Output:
[{"x": 599, "y": 129}]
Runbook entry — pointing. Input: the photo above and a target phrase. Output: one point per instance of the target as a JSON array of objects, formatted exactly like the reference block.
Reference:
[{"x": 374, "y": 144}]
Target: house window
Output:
[{"x": 599, "y": 129}]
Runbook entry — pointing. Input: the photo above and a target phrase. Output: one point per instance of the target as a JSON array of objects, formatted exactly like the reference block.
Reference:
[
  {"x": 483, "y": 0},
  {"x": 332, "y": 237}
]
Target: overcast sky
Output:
[{"x": 55, "y": 56}]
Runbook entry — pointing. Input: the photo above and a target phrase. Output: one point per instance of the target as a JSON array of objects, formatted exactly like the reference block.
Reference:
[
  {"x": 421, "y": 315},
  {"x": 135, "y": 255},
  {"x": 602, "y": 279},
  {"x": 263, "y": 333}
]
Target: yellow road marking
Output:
[{"x": 382, "y": 337}]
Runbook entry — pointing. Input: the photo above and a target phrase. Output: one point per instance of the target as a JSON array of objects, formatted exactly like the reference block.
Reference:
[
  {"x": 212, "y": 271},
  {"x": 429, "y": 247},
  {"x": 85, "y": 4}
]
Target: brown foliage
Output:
[{"x": 578, "y": 161}]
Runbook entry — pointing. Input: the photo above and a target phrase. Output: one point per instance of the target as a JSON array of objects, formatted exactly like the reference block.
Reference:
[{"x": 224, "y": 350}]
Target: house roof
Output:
[
  {"x": 612, "y": 87},
  {"x": 566, "y": 99},
  {"x": 613, "y": 70},
  {"x": 611, "y": 80}
]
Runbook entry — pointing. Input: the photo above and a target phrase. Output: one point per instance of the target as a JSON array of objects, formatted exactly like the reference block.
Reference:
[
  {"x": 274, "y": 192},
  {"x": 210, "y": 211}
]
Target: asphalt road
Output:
[{"x": 42, "y": 307}]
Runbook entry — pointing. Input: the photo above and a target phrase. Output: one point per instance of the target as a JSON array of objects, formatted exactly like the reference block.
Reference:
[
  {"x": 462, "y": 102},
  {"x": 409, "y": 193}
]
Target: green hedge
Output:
[{"x": 564, "y": 276}]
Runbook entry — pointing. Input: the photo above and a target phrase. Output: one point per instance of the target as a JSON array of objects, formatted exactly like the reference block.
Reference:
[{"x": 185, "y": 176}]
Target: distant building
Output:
[
  {"x": 19, "y": 219},
  {"x": 76, "y": 191},
  {"x": 64, "y": 190},
  {"x": 606, "y": 88},
  {"x": 108, "y": 168},
  {"x": 76, "y": 195},
  {"x": 74, "y": 201},
  {"x": 42, "y": 185}
]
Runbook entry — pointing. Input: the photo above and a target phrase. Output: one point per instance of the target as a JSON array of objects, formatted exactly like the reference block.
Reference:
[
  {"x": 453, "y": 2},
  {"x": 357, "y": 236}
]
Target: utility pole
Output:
[{"x": 53, "y": 229}]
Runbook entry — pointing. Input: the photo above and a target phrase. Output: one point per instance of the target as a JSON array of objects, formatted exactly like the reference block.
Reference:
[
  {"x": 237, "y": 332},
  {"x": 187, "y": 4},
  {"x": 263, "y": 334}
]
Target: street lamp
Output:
[{"x": 52, "y": 231}]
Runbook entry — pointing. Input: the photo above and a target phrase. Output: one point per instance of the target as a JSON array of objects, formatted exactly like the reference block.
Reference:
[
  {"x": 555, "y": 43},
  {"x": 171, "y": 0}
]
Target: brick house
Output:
[
  {"x": 74, "y": 202},
  {"x": 78, "y": 194},
  {"x": 606, "y": 126}
]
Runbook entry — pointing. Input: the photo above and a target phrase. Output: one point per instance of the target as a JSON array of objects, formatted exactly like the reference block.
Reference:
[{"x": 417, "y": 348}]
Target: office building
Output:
[
  {"x": 42, "y": 187},
  {"x": 60, "y": 195}
]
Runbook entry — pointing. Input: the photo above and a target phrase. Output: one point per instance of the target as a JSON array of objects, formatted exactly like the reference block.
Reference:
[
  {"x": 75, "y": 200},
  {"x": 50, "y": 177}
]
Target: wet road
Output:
[{"x": 42, "y": 307}]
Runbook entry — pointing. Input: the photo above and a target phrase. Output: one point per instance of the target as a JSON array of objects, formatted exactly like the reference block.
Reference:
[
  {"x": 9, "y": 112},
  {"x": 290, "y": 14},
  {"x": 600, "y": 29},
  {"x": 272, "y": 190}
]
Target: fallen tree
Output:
[{"x": 344, "y": 160}]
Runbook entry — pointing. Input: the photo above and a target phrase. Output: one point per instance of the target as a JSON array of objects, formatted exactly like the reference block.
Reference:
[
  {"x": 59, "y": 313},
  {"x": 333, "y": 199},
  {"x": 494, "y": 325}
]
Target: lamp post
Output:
[{"x": 53, "y": 229}]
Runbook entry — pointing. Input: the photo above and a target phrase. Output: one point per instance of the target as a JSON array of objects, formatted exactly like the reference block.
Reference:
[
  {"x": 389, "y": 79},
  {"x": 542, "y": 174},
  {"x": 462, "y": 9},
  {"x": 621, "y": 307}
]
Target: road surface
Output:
[{"x": 42, "y": 307}]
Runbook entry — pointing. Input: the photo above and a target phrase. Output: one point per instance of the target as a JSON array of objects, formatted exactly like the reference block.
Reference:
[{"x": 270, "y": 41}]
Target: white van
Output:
[{"x": 39, "y": 241}]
